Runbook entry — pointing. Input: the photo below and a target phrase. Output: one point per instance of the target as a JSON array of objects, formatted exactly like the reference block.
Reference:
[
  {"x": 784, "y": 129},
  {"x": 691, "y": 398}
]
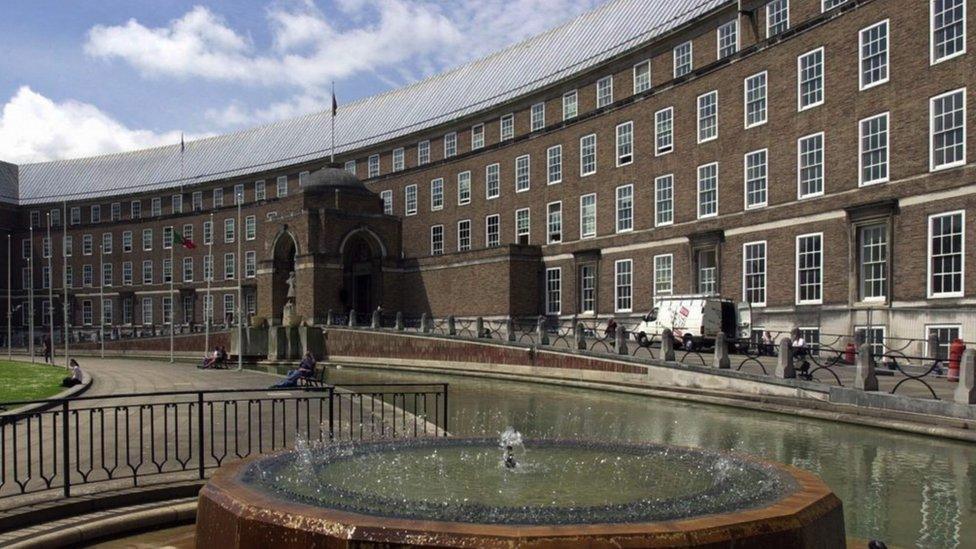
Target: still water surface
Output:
[{"x": 903, "y": 489}]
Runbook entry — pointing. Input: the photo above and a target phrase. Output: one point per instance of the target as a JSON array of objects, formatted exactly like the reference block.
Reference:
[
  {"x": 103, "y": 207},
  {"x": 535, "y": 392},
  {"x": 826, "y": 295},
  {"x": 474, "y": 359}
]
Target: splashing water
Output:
[{"x": 509, "y": 440}]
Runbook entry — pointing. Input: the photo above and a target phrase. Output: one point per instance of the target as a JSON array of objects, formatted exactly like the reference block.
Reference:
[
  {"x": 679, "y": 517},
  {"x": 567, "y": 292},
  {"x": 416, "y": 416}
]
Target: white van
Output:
[{"x": 695, "y": 320}]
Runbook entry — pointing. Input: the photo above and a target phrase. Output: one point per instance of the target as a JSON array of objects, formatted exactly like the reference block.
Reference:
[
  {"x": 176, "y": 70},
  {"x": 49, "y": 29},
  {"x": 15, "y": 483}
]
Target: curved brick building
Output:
[{"x": 807, "y": 156}]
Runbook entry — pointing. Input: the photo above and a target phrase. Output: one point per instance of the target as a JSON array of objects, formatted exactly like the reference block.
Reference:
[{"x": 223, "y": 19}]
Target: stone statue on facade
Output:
[{"x": 288, "y": 315}]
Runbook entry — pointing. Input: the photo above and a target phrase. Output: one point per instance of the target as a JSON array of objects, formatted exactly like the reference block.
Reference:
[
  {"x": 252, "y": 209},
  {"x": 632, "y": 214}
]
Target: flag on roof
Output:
[
  {"x": 335, "y": 104},
  {"x": 182, "y": 241}
]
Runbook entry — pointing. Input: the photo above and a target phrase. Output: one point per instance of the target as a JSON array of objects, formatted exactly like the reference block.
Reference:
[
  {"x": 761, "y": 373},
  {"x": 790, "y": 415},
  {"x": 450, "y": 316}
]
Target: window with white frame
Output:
[
  {"x": 756, "y": 178},
  {"x": 588, "y": 155},
  {"x": 350, "y": 166},
  {"x": 230, "y": 266},
  {"x": 830, "y": 4},
  {"x": 96, "y": 213},
  {"x": 250, "y": 264},
  {"x": 228, "y": 308},
  {"x": 493, "y": 231},
  {"x": 522, "y": 173},
  {"x": 398, "y": 159},
  {"x": 450, "y": 144},
  {"x": 873, "y": 261},
  {"x": 728, "y": 39},
  {"x": 410, "y": 200},
  {"x": 946, "y": 254},
  {"x": 754, "y": 95},
  {"x": 777, "y": 17},
  {"x": 947, "y": 130},
  {"x": 604, "y": 92},
  {"x": 754, "y": 273},
  {"x": 87, "y": 245},
  {"x": 196, "y": 201},
  {"x": 477, "y": 136},
  {"x": 537, "y": 119},
  {"x": 387, "y": 198},
  {"x": 208, "y": 308},
  {"x": 809, "y": 269},
  {"x": 147, "y": 240},
  {"x": 642, "y": 77},
  {"x": 810, "y": 165},
  {"x": 682, "y": 59},
  {"x": 706, "y": 263},
  {"x": 554, "y": 164},
  {"x": 116, "y": 212},
  {"x": 570, "y": 105},
  {"x": 437, "y": 194},
  {"x": 464, "y": 188},
  {"x": 261, "y": 191},
  {"x": 588, "y": 216},
  {"x": 663, "y": 131},
  {"x": 76, "y": 212},
  {"x": 147, "y": 311},
  {"x": 873, "y": 45},
  {"x": 506, "y": 127},
  {"x": 708, "y": 190},
  {"x": 522, "y": 226},
  {"x": 208, "y": 267},
  {"x": 423, "y": 152},
  {"x": 147, "y": 271},
  {"x": 707, "y": 116},
  {"x": 810, "y": 79},
  {"x": 625, "y": 208},
  {"x": 944, "y": 334},
  {"x": 106, "y": 245},
  {"x": 69, "y": 243},
  {"x": 625, "y": 143},
  {"x": 207, "y": 232},
  {"x": 250, "y": 227},
  {"x": 663, "y": 274},
  {"x": 126, "y": 274},
  {"x": 230, "y": 230},
  {"x": 87, "y": 317},
  {"x": 664, "y": 200},
  {"x": 948, "y": 25},
  {"x": 554, "y": 276},
  {"x": 218, "y": 194},
  {"x": 88, "y": 275},
  {"x": 588, "y": 288},
  {"x": 464, "y": 235},
  {"x": 492, "y": 181},
  {"x": 156, "y": 206},
  {"x": 437, "y": 240},
  {"x": 239, "y": 188},
  {"x": 167, "y": 271},
  {"x": 873, "y": 149},
  {"x": 187, "y": 269},
  {"x": 373, "y": 165},
  {"x": 623, "y": 285},
  {"x": 554, "y": 223}
]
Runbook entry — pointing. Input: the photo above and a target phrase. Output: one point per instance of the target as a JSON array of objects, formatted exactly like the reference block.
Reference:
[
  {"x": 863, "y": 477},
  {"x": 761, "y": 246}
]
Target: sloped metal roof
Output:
[{"x": 535, "y": 63}]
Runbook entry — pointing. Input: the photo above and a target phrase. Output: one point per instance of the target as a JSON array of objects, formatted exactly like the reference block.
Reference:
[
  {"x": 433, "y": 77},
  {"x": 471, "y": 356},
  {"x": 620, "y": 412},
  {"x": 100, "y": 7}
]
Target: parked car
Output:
[{"x": 695, "y": 320}]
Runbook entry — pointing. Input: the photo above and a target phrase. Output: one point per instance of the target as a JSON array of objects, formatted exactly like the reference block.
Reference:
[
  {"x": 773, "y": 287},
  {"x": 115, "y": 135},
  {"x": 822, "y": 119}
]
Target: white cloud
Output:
[{"x": 34, "y": 128}]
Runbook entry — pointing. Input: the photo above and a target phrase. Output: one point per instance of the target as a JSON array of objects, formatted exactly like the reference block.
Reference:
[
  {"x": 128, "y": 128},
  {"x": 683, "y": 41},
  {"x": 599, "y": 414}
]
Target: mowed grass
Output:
[{"x": 26, "y": 381}]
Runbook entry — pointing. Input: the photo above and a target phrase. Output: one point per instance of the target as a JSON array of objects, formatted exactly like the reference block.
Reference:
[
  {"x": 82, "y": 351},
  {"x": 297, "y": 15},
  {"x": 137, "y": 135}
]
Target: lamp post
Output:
[
  {"x": 30, "y": 303},
  {"x": 49, "y": 250},
  {"x": 64, "y": 279},
  {"x": 208, "y": 299},
  {"x": 239, "y": 198}
]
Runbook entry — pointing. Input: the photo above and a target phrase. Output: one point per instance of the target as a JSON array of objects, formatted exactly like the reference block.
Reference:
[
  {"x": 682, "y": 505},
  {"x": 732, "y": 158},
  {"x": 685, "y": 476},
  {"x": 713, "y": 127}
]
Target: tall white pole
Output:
[
  {"x": 240, "y": 293},
  {"x": 50, "y": 287},
  {"x": 101, "y": 295},
  {"x": 10, "y": 328},
  {"x": 172, "y": 301},
  {"x": 64, "y": 279},
  {"x": 207, "y": 314},
  {"x": 30, "y": 304}
]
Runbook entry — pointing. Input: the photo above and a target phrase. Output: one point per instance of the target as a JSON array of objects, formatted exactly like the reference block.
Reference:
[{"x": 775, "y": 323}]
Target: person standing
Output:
[{"x": 47, "y": 350}]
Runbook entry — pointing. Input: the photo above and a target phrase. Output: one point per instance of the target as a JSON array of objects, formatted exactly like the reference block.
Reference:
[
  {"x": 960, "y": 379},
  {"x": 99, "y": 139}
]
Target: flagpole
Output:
[
  {"x": 332, "y": 152},
  {"x": 207, "y": 314},
  {"x": 240, "y": 294},
  {"x": 172, "y": 302},
  {"x": 101, "y": 295},
  {"x": 10, "y": 329},
  {"x": 64, "y": 279},
  {"x": 50, "y": 286},
  {"x": 30, "y": 305}
]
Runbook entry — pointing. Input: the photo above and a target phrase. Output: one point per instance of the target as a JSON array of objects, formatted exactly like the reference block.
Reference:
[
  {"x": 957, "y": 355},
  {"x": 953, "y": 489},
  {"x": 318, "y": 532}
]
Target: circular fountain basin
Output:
[{"x": 458, "y": 492}]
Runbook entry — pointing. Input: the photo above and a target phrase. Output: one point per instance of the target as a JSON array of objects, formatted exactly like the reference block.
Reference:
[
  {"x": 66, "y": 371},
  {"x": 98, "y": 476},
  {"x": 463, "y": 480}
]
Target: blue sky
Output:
[{"x": 79, "y": 78}]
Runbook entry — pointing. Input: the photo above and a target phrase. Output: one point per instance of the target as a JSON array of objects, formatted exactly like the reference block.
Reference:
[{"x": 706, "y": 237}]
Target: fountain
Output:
[{"x": 457, "y": 492}]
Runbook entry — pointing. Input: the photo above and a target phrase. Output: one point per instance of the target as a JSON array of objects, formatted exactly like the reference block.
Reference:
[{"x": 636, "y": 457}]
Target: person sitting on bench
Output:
[{"x": 305, "y": 370}]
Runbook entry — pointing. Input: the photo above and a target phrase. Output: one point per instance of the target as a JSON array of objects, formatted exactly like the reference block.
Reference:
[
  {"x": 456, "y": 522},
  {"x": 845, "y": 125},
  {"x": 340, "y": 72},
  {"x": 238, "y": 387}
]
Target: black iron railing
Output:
[{"x": 130, "y": 439}]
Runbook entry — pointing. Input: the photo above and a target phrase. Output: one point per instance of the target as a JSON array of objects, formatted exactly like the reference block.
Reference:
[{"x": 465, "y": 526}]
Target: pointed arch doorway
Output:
[{"x": 362, "y": 272}]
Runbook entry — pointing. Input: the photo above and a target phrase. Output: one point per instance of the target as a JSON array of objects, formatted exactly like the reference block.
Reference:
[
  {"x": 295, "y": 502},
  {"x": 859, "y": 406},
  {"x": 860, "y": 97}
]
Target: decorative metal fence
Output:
[{"x": 132, "y": 439}]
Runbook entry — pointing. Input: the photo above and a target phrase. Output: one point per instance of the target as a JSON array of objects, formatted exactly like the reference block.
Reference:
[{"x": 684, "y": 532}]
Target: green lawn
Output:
[{"x": 26, "y": 381}]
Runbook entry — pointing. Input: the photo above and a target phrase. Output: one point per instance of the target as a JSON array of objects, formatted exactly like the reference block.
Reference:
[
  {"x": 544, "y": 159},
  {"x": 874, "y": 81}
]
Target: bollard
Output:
[
  {"x": 425, "y": 323},
  {"x": 399, "y": 321},
  {"x": 864, "y": 377},
  {"x": 721, "y": 353},
  {"x": 621, "y": 335},
  {"x": 352, "y": 317},
  {"x": 667, "y": 345},
  {"x": 580, "y": 338},
  {"x": 784, "y": 362},
  {"x": 966, "y": 390},
  {"x": 375, "y": 322},
  {"x": 479, "y": 327},
  {"x": 510, "y": 328},
  {"x": 451, "y": 326},
  {"x": 329, "y": 318},
  {"x": 540, "y": 330}
]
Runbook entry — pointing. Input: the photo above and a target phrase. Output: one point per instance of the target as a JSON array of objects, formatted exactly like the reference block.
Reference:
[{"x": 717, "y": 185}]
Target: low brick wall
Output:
[
  {"x": 348, "y": 343},
  {"x": 186, "y": 343}
]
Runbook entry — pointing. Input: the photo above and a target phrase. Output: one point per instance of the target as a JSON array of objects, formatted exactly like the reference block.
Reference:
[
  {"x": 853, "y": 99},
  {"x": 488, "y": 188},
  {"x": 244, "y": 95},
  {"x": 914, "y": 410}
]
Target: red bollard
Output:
[
  {"x": 849, "y": 353},
  {"x": 955, "y": 355}
]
